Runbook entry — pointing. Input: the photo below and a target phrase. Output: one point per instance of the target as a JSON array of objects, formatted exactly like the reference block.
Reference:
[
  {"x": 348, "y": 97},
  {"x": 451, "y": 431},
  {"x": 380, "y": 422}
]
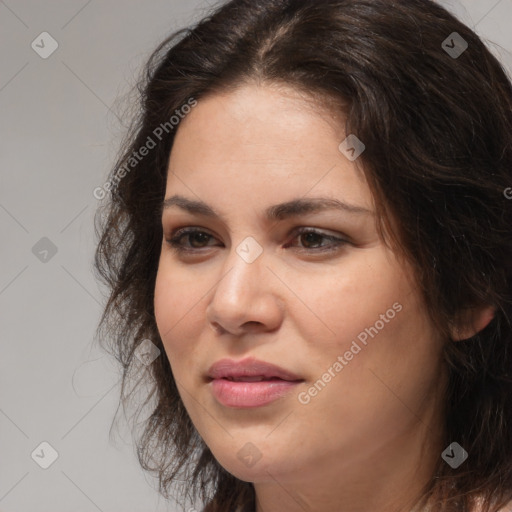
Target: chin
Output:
[{"x": 250, "y": 465}]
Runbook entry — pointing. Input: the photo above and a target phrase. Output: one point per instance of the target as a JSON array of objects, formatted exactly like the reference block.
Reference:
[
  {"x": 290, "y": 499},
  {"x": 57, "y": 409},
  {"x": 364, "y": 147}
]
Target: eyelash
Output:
[{"x": 174, "y": 240}]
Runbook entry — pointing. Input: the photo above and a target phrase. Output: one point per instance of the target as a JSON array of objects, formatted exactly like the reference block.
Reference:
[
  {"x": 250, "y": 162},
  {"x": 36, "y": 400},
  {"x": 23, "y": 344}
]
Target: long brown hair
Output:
[{"x": 437, "y": 127}]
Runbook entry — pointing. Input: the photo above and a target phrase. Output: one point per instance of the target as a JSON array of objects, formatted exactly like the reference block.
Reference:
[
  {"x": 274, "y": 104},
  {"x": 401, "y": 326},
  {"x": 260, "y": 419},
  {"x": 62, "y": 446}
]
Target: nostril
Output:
[
  {"x": 253, "y": 324},
  {"x": 217, "y": 328}
]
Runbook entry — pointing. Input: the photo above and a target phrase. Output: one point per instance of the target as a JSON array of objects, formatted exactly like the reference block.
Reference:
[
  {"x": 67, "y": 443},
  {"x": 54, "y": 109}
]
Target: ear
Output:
[{"x": 471, "y": 321}]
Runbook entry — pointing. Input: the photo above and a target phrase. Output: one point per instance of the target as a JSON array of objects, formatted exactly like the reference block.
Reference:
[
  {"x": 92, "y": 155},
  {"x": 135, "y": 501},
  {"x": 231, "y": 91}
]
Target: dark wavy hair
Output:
[{"x": 438, "y": 134}]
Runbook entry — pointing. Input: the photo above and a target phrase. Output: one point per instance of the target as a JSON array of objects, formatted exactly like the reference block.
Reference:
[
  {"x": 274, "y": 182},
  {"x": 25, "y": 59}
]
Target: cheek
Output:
[
  {"x": 167, "y": 307},
  {"x": 178, "y": 309},
  {"x": 376, "y": 321},
  {"x": 395, "y": 363},
  {"x": 350, "y": 299}
]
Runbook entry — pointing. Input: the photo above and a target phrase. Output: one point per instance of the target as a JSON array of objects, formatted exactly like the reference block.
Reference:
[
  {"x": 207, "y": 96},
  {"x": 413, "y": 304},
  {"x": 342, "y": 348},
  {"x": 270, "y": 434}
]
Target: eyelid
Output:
[
  {"x": 328, "y": 233},
  {"x": 337, "y": 240}
]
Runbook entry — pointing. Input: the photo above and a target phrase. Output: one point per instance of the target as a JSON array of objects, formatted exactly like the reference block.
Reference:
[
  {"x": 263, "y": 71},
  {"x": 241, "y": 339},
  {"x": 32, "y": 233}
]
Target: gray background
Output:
[{"x": 59, "y": 134}]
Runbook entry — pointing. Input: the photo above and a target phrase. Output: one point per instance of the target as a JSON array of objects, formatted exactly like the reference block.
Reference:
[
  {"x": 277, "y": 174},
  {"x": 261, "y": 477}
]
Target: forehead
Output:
[
  {"x": 267, "y": 141},
  {"x": 278, "y": 114}
]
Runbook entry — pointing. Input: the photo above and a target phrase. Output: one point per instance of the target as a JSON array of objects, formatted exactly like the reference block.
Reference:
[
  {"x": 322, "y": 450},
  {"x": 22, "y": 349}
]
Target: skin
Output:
[{"x": 369, "y": 440}]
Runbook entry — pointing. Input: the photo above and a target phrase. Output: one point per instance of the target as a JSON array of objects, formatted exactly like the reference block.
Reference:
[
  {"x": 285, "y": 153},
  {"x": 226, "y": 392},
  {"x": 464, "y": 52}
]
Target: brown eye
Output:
[
  {"x": 197, "y": 239},
  {"x": 312, "y": 240}
]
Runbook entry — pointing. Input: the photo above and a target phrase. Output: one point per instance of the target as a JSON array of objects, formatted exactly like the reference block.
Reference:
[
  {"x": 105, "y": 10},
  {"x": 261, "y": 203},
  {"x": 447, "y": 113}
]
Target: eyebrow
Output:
[{"x": 293, "y": 208}]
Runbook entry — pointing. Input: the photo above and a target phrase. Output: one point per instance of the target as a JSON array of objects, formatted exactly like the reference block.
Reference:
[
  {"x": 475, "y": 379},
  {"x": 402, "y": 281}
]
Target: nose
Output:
[{"x": 246, "y": 298}]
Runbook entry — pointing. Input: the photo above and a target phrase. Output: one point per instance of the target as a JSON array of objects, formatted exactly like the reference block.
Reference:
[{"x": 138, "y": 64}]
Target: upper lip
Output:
[{"x": 249, "y": 367}]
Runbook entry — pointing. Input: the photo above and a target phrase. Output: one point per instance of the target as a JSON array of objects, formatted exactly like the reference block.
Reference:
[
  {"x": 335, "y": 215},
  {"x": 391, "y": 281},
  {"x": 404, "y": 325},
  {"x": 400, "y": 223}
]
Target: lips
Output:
[
  {"x": 250, "y": 370},
  {"x": 249, "y": 383},
  {"x": 251, "y": 379}
]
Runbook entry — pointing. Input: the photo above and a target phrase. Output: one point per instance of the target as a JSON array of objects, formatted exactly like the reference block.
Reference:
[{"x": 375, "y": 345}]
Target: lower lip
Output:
[{"x": 250, "y": 394}]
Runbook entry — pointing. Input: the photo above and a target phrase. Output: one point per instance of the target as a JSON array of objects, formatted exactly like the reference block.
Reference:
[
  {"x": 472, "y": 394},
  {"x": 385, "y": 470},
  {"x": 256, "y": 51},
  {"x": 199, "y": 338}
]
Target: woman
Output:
[{"x": 310, "y": 225}]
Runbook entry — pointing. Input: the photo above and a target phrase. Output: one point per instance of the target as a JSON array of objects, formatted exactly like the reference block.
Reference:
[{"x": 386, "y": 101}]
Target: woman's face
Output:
[{"x": 333, "y": 306}]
